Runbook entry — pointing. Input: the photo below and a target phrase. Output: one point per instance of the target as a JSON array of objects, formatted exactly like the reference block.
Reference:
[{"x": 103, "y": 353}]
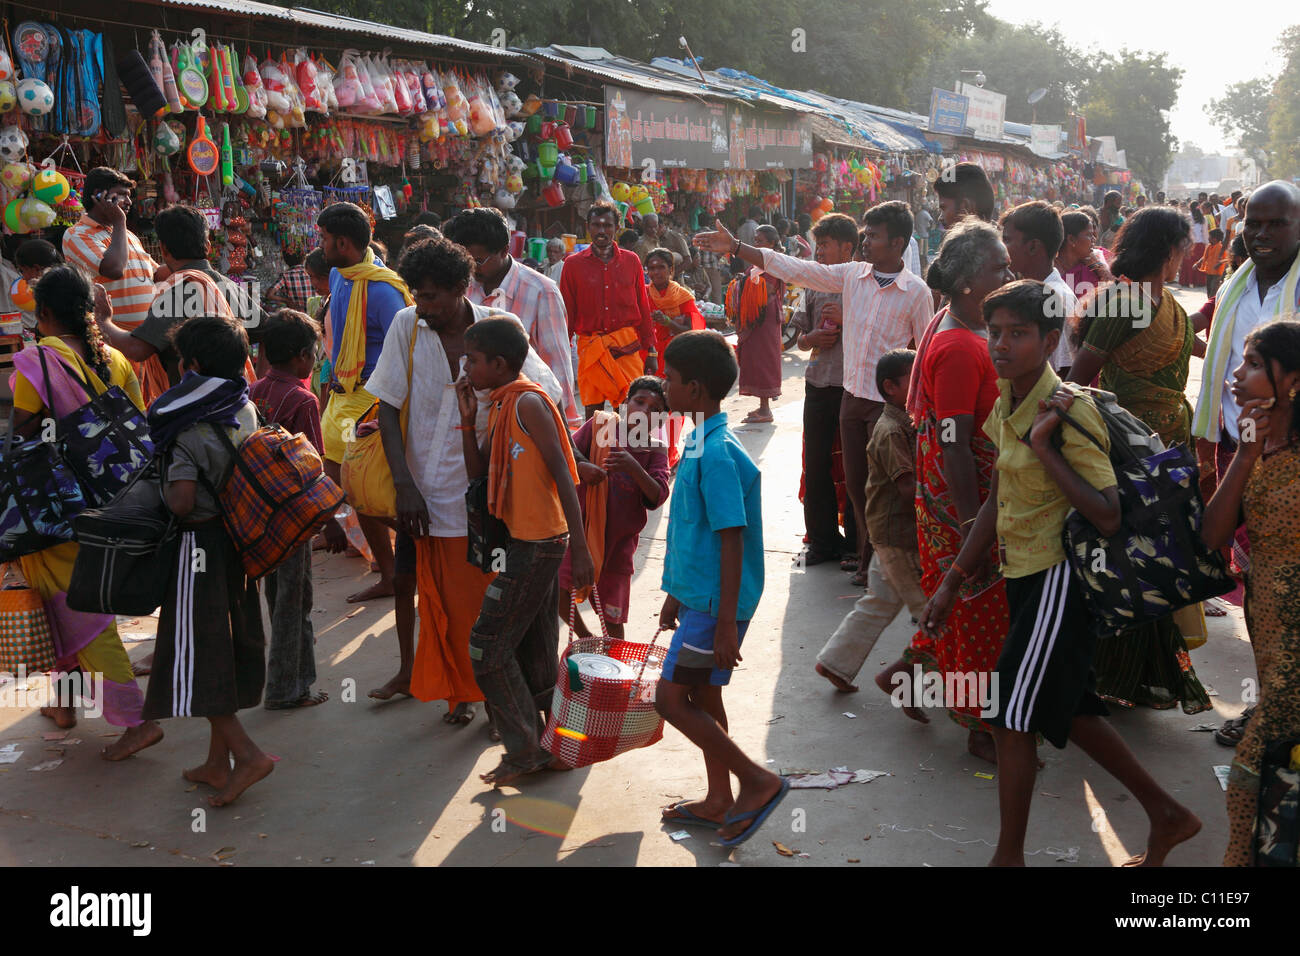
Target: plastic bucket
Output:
[{"x": 537, "y": 245}]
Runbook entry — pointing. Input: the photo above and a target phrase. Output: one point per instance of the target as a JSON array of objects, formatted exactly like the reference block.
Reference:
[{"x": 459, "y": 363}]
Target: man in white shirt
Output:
[
  {"x": 912, "y": 257},
  {"x": 884, "y": 307},
  {"x": 507, "y": 286},
  {"x": 1033, "y": 234},
  {"x": 417, "y": 372},
  {"x": 1263, "y": 288}
]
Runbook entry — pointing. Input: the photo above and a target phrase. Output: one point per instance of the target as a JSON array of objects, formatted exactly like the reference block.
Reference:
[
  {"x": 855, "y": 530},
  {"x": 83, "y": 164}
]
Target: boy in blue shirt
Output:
[
  {"x": 713, "y": 575},
  {"x": 1044, "y": 682}
]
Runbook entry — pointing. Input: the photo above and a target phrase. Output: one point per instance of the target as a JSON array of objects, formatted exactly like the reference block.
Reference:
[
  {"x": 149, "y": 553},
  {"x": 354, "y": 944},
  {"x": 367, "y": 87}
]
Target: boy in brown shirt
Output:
[{"x": 894, "y": 575}]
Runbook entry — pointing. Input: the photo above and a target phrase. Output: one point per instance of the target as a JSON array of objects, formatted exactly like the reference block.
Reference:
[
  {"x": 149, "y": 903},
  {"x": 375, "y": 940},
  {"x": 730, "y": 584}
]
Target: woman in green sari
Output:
[{"x": 1139, "y": 338}]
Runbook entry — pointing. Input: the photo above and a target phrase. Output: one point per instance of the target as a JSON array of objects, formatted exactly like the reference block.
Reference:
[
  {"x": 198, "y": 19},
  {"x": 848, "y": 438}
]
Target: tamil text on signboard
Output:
[
  {"x": 987, "y": 111},
  {"x": 948, "y": 112}
]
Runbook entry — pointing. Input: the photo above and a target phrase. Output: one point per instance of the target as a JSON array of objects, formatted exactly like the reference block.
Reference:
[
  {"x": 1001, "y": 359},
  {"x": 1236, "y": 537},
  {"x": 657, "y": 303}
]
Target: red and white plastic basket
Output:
[{"x": 596, "y": 718}]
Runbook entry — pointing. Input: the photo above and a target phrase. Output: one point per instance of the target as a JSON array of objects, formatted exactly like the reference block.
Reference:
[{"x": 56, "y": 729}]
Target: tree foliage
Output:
[
  {"x": 1284, "y": 110},
  {"x": 1129, "y": 97},
  {"x": 1242, "y": 113}
]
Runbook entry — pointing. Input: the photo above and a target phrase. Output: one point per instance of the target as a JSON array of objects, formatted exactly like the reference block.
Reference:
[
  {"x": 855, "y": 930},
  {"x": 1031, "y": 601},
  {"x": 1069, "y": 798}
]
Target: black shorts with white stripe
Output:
[{"x": 1045, "y": 676}]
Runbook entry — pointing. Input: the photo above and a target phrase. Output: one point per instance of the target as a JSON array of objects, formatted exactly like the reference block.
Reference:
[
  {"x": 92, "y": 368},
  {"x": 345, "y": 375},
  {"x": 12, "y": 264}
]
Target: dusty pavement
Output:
[{"x": 390, "y": 784}]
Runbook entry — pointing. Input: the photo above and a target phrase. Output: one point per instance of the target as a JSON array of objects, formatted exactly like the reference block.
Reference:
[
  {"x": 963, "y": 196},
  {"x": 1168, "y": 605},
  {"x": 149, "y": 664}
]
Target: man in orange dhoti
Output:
[
  {"x": 609, "y": 311},
  {"x": 428, "y": 468}
]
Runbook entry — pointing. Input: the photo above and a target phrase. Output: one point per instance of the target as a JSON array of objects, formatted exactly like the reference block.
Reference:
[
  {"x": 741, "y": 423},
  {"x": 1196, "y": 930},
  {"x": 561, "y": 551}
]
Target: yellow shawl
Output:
[{"x": 352, "y": 348}]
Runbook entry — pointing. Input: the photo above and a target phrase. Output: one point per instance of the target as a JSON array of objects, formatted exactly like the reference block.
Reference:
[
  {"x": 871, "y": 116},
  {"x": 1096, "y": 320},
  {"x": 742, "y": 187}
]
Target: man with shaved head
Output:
[{"x": 1266, "y": 286}]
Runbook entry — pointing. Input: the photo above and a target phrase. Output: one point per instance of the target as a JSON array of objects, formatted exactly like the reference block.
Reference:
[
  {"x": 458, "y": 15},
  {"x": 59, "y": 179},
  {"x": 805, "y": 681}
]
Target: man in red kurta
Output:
[{"x": 609, "y": 311}]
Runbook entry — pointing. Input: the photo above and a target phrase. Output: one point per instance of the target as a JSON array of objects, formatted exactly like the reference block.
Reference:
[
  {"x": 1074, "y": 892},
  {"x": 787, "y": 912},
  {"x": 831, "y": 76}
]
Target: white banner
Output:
[
  {"x": 987, "y": 112},
  {"x": 1045, "y": 140},
  {"x": 1108, "y": 153}
]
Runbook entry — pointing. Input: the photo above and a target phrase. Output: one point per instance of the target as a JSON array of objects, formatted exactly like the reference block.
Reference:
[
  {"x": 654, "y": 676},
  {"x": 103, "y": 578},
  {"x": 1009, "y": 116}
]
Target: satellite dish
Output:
[{"x": 1037, "y": 95}]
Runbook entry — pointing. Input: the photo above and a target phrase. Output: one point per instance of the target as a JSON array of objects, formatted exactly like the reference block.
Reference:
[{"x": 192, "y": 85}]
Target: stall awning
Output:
[{"x": 315, "y": 19}]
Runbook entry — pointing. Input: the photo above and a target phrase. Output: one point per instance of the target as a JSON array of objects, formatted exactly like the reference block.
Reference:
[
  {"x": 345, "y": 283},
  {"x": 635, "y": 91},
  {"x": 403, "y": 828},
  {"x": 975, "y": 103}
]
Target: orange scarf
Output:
[
  {"x": 508, "y": 396},
  {"x": 754, "y": 297},
  {"x": 603, "y": 435},
  {"x": 671, "y": 300}
]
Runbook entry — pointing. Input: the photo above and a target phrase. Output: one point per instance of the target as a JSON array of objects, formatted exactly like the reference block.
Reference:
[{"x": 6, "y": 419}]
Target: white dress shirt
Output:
[{"x": 433, "y": 443}]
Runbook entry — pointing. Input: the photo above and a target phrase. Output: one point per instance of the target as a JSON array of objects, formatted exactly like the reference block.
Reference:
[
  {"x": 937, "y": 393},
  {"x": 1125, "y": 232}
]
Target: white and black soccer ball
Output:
[
  {"x": 13, "y": 144},
  {"x": 35, "y": 98}
]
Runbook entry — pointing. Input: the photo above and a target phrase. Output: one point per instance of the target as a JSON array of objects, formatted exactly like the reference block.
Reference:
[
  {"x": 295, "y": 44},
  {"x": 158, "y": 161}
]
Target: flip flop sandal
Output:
[
  {"x": 757, "y": 816},
  {"x": 306, "y": 700},
  {"x": 1230, "y": 734},
  {"x": 848, "y": 564},
  {"x": 686, "y": 817}
]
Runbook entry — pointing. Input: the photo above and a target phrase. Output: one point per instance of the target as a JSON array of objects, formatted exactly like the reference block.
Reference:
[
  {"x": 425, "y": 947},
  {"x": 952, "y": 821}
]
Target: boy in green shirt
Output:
[{"x": 1044, "y": 682}]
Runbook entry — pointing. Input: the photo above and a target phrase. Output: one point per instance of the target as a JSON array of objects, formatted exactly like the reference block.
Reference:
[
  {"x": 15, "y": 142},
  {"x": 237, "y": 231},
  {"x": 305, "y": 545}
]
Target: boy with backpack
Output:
[
  {"x": 289, "y": 342},
  {"x": 209, "y": 659},
  {"x": 1044, "y": 683}
]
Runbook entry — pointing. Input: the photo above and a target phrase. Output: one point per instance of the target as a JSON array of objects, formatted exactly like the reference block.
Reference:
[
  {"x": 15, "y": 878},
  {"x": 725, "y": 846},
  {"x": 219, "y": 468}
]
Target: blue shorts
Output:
[{"x": 690, "y": 655}]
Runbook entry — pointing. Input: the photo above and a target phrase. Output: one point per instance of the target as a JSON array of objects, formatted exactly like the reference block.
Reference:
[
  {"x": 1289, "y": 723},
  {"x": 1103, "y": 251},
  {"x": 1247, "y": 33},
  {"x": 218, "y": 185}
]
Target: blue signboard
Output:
[{"x": 948, "y": 112}]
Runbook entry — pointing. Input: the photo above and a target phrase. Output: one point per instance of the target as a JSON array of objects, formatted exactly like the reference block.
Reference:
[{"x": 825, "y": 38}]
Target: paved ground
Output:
[{"x": 391, "y": 784}]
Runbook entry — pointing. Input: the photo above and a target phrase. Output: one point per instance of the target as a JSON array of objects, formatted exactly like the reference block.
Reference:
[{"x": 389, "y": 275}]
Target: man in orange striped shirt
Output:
[{"x": 102, "y": 247}]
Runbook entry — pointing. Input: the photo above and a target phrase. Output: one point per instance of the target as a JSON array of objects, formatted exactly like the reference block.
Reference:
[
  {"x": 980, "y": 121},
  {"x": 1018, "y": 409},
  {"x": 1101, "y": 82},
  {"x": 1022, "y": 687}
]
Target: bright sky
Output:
[{"x": 1178, "y": 29}]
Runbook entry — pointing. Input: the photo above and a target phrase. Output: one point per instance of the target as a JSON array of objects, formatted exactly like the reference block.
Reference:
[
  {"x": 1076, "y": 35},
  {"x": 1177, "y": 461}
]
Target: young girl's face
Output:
[
  {"x": 658, "y": 272},
  {"x": 1250, "y": 378}
]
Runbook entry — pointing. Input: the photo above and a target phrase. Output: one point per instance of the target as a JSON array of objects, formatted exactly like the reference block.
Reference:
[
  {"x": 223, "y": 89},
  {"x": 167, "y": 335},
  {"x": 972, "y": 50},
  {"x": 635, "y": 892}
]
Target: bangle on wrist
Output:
[
  {"x": 959, "y": 569},
  {"x": 735, "y": 250},
  {"x": 968, "y": 521}
]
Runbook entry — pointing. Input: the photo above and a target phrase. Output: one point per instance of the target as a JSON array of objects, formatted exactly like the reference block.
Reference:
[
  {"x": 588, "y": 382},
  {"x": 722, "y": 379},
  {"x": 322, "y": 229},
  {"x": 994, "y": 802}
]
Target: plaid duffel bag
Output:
[
  {"x": 604, "y": 702},
  {"x": 277, "y": 497}
]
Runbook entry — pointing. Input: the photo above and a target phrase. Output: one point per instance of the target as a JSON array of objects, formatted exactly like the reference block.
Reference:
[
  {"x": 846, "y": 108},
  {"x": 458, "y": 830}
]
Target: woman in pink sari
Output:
[{"x": 74, "y": 354}]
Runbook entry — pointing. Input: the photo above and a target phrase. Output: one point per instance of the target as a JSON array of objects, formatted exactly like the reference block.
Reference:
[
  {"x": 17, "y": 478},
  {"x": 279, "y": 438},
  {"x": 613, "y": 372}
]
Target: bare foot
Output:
[
  {"x": 885, "y": 681},
  {"x": 507, "y": 772},
  {"x": 244, "y": 774},
  {"x": 396, "y": 686},
  {"x": 380, "y": 589},
  {"x": 981, "y": 745},
  {"x": 143, "y": 667},
  {"x": 215, "y": 775},
  {"x": 749, "y": 799},
  {"x": 841, "y": 685},
  {"x": 133, "y": 741},
  {"x": 1175, "y": 827},
  {"x": 63, "y": 717}
]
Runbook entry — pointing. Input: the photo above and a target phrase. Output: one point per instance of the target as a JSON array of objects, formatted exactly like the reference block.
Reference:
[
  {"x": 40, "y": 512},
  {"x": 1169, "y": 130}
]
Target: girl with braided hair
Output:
[{"x": 76, "y": 358}]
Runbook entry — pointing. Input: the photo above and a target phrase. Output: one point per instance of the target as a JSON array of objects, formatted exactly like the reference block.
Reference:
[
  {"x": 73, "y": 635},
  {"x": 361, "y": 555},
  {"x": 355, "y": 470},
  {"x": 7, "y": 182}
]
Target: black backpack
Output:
[{"x": 1157, "y": 562}]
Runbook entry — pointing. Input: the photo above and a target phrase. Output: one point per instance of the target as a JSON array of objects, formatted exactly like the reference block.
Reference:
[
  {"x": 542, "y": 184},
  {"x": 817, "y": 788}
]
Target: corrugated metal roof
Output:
[
  {"x": 305, "y": 16},
  {"x": 861, "y": 119}
]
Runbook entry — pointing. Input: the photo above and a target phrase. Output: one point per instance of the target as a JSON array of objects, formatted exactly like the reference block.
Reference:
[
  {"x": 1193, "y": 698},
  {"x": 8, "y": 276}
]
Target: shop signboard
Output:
[
  {"x": 642, "y": 128},
  {"x": 1045, "y": 139},
  {"x": 948, "y": 112},
  {"x": 987, "y": 113}
]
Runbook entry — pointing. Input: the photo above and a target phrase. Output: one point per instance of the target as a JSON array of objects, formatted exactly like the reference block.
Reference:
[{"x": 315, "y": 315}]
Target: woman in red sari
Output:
[
  {"x": 952, "y": 391},
  {"x": 674, "y": 310}
]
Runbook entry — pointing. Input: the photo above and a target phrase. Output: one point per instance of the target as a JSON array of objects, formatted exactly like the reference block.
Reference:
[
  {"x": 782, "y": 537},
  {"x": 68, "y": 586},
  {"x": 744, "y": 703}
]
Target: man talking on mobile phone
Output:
[{"x": 109, "y": 253}]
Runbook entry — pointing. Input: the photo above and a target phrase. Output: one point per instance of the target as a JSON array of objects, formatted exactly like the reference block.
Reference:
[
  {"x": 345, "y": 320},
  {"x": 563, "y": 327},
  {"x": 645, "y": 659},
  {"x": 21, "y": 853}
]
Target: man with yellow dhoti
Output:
[
  {"x": 609, "y": 311},
  {"x": 364, "y": 297}
]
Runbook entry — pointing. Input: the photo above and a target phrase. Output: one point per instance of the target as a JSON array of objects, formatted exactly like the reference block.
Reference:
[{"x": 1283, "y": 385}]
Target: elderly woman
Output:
[
  {"x": 1139, "y": 338},
  {"x": 953, "y": 389}
]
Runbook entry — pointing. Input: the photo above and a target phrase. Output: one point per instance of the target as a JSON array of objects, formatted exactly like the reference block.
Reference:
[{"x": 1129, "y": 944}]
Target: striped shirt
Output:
[
  {"x": 876, "y": 319},
  {"x": 536, "y": 300},
  {"x": 85, "y": 245}
]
